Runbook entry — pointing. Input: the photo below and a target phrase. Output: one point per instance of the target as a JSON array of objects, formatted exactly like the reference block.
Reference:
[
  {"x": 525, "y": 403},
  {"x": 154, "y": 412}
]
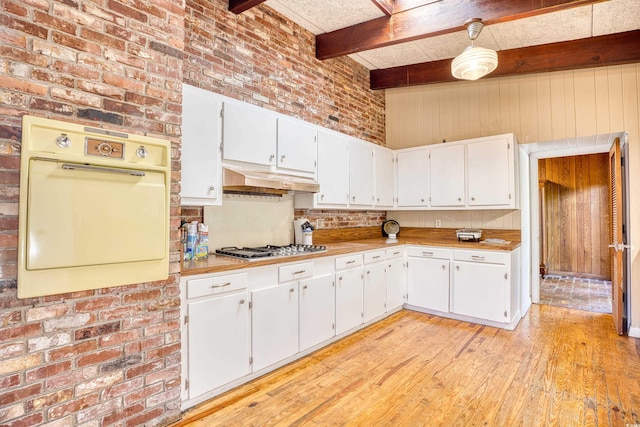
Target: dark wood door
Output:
[{"x": 616, "y": 243}]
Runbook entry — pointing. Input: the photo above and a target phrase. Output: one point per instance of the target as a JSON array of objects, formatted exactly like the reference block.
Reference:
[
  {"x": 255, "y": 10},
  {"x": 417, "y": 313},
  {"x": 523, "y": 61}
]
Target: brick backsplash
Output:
[
  {"x": 112, "y": 356},
  {"x": 333, "y": 219}
]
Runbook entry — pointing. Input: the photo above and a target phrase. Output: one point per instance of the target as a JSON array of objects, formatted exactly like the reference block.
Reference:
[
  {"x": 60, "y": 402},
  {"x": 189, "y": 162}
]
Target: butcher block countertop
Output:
[{"x": 346, "y": 241}]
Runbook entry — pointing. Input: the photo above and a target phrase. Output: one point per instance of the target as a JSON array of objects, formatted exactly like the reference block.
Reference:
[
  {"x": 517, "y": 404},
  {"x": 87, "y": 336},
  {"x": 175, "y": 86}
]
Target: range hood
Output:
[{"x": 248, "y": 181}]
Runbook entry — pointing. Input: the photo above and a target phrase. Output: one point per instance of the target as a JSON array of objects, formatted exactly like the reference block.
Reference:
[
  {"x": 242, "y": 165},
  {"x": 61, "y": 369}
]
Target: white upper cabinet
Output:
[
  {"x": 249, "y": 134},
  {"x": 447, "y": 174},
  {"x": 413, "y": 177},
  {"x": 385, "y": 177},
  {"x": 296, "y": 145},
  {"x": 491, "y": 178},
  {"x": 201, "y": 175},
  {"x": 360, "y": 173}
]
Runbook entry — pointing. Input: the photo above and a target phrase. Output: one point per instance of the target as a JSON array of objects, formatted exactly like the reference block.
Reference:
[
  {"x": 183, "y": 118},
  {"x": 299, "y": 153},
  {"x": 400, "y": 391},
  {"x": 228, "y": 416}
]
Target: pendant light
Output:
[{"x": 474, "y": 62}]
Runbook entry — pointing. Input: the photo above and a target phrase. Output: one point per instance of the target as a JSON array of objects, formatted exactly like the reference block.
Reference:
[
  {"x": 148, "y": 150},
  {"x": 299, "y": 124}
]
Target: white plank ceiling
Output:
[{"x": 608, "y": 17}]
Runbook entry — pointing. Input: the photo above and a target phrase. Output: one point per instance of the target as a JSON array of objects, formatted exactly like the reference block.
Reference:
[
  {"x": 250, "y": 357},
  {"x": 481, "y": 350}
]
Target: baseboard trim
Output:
[{"x": 634, "y": 332}]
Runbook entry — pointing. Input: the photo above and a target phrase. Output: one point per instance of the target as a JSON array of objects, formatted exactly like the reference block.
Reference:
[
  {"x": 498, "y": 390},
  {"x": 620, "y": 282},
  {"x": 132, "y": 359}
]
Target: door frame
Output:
[{"x": 530, "y": 204}]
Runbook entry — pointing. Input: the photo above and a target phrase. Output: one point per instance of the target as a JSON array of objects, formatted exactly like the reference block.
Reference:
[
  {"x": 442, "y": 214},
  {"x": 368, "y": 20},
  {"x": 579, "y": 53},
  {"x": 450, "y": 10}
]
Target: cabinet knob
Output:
[
  {"x": 212, "y": 188},
  {"x": 322, "y": 197},
  {"x": 305, "y": 287},
  {"x": 459, "y": 199},
  {"x": 271, "y": 157},
  {"x": 291, "y": 290},
  {"x": 458, "y": 267},
  {"x": 241, "y": 302},
  {"x": 354, "y": 198},
  {"x": 422, "y": 200},
  {"x": 443, "y": 267},
  {"x": 473, "y": 199},
  {"x": 281, "y": 159}
]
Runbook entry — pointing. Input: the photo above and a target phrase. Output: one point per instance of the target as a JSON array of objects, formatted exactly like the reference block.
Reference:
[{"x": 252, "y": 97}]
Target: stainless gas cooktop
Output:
[{"x": 269, "y": 251}]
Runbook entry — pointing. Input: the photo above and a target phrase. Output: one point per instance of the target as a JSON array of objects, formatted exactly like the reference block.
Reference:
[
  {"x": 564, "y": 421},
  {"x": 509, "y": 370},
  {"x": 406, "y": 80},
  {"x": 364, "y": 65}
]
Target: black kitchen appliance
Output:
[{"x": 269, "y": 251}]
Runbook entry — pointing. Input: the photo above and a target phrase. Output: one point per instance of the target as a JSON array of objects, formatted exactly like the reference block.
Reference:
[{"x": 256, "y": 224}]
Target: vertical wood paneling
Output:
[
  {"x": 558, "y": 110},
  {"x": 585, "y": 101},
  {"x": 543, "y": 104},
  {"x": 569, "y": 100},
  {"x": 528, "y": 109},
  {"x": 577, "y": 214},
  {"x": 601, "y": 81}
]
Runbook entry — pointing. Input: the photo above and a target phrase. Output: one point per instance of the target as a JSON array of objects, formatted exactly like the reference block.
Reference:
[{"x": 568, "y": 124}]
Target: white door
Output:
[
  {"x": 396, "y": 283},
  {"x": 296, "y": 145},
  {"x": 375, "y": 290},
  {"x": 428, "y": 283},
  {"x": 333, "y": 169},
  {"x": 201, "y": 175},
  {"x": 360, "y": 173},
  {"x": 413, "y": 177},
  {"x": 489, "y": 173},
  {"x": 480, "y": 290},
  {"x": 349, "y": 299},
  {"x": 317, "y": 311},
  {"x": 219, "y": 344},
  {"x": 248, "y": 134},
  {"x": 274, "y": 323},
  {"x": 384, "y": 177},
  {"x": 446, "y": 169}
]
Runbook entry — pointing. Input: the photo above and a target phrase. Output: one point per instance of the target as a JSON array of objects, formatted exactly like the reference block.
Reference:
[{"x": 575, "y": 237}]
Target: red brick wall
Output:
[
  {"x": 260, "y": 58},
  {"x": 111, "y": 356}
]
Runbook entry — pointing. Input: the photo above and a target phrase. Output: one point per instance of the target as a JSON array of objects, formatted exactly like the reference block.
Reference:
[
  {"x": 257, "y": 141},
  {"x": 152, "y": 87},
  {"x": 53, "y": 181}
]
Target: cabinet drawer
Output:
[
  {"x": 287, "y": 273},
  {"x": 427, "y": 252},
  {"x": 375, "y": 256},
  {"x": 348, "y": 261},
  {"x": 394, "y": 253},
  {"x": 216, "y": 285},
  {"x": 493, "y": 257}
]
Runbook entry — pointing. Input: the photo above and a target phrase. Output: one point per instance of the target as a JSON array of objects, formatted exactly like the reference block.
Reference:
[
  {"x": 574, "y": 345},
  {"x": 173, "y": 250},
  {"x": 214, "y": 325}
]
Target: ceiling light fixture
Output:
[{"x": 474, "y": 62}]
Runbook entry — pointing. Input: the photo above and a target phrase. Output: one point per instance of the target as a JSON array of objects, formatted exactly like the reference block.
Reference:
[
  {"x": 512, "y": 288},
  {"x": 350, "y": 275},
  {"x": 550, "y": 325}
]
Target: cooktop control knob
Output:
[{"x": 142, "y": 152}]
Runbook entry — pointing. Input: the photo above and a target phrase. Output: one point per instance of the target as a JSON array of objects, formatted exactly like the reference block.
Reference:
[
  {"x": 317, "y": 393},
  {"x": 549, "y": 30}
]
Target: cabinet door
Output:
[
  {"x": 317, "y": 311},
  {"x": 489, "y": 173},
  {"x": 349, "y": 299},
  {"x": 447, "y": 175},
  {"x": 360, "y": 173},
  {"x": 274, "y": 324},
  {"x": 480, "y": 290},
  {"x": 413, "y": 177},
  {"x": 218, "y": 333},
  {"x": 375, "y": 291},
  {"x": 384, "y": 177},
  {"x": 296, "y": 145},
  {"x": 428, "y": 283},
  {"x": 201, "y": 174},
  {"x": 333, "y": 169},
  {"x": 396, "y": 283},
  {"x": 248, "y": 134}
]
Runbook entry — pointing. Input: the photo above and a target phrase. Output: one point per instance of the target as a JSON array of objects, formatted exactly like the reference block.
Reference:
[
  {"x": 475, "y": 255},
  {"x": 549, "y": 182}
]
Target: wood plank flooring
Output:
[{"x": 559, "y": 367}]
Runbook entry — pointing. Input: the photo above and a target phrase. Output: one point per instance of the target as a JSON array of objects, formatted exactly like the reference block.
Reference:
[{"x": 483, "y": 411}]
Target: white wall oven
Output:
[{"x": 94, "y": 208}]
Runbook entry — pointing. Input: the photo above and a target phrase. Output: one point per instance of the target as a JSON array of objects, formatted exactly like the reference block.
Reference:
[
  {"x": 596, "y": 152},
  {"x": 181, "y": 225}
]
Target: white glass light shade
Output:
[{"x": 474, "y": 62}]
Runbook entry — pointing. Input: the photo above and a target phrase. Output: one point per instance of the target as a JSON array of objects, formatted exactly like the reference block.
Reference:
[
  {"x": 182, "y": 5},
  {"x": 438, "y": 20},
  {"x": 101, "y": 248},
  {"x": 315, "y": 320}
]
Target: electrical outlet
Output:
[{"x": 438, "y": 223}]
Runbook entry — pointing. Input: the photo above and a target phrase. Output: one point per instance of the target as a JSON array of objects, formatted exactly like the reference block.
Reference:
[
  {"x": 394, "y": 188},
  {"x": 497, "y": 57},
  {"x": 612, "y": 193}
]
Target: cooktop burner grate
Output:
[{"x": 262, "y": 252}]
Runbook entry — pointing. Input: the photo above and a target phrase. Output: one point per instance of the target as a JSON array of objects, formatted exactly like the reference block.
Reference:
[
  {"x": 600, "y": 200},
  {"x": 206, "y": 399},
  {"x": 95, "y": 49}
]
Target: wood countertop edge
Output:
[{"x": 217, "y": 264}]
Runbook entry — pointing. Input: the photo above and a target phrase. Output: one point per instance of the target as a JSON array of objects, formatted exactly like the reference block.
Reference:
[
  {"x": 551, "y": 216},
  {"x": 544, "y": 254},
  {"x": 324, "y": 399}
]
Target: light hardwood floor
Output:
[{"x": 559, "y": 367}]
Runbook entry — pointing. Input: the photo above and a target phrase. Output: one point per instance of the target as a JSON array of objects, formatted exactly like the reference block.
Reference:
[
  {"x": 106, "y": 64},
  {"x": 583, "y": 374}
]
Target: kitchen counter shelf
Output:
[{"x": 410, "y": 236}]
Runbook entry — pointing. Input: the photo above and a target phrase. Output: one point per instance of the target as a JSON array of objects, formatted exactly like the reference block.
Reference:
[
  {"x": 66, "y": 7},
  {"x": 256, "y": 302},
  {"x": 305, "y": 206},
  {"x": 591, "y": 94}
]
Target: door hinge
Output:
[
  {"x": 221, "y": 112},
  {"x": 333, "y": 326},
  {"x": 186, "y": 384},
  {"x": 508, "y": 146},
  {"x": 509, "y": 196},
  {"x": 250, "y": 305},
  {"x": 315, "y": 163},
  {"x": 250, "y": 360},
  {"x": 506, "y": 275},
  {"x": 186, "y": 319},
  {"x": 505, "y": 313}
]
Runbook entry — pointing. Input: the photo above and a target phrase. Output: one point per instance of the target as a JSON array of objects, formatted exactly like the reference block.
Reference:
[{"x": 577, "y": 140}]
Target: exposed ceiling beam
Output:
[
  {"x": 612, "y": 49},
  {"x": 430, "y": 20},
  {"x": 239, "y": 6},
  {"x": 386, "y": 6}
]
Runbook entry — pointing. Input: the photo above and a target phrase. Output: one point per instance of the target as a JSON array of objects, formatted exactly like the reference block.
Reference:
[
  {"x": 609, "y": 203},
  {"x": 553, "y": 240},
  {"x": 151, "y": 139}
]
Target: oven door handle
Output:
[{"x": 103, "y": 169}]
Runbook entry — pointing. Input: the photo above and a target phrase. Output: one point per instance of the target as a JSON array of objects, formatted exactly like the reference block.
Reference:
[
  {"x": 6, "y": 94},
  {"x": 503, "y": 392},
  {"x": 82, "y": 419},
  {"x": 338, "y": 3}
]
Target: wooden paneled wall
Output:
[{"x": 577, "y": 215}]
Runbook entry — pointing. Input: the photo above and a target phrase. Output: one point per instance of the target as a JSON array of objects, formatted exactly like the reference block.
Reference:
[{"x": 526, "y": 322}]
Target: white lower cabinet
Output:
[
  {"x": 317, "y": 310},
  {"x": 218, "y": 342},
  {"x": 375, "y": 290},
  {"x": 349, "y": 293},
  {"x": 481, "y": 285},
  {"x": 428, "y": 278},
  {"x": 396, "y": 283},
  {"x": 274, "y": 324}
]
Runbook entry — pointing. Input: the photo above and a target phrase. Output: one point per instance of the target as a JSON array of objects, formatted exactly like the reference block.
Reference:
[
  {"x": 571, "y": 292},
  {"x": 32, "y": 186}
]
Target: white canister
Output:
[{"x": 307, "y": 237}]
